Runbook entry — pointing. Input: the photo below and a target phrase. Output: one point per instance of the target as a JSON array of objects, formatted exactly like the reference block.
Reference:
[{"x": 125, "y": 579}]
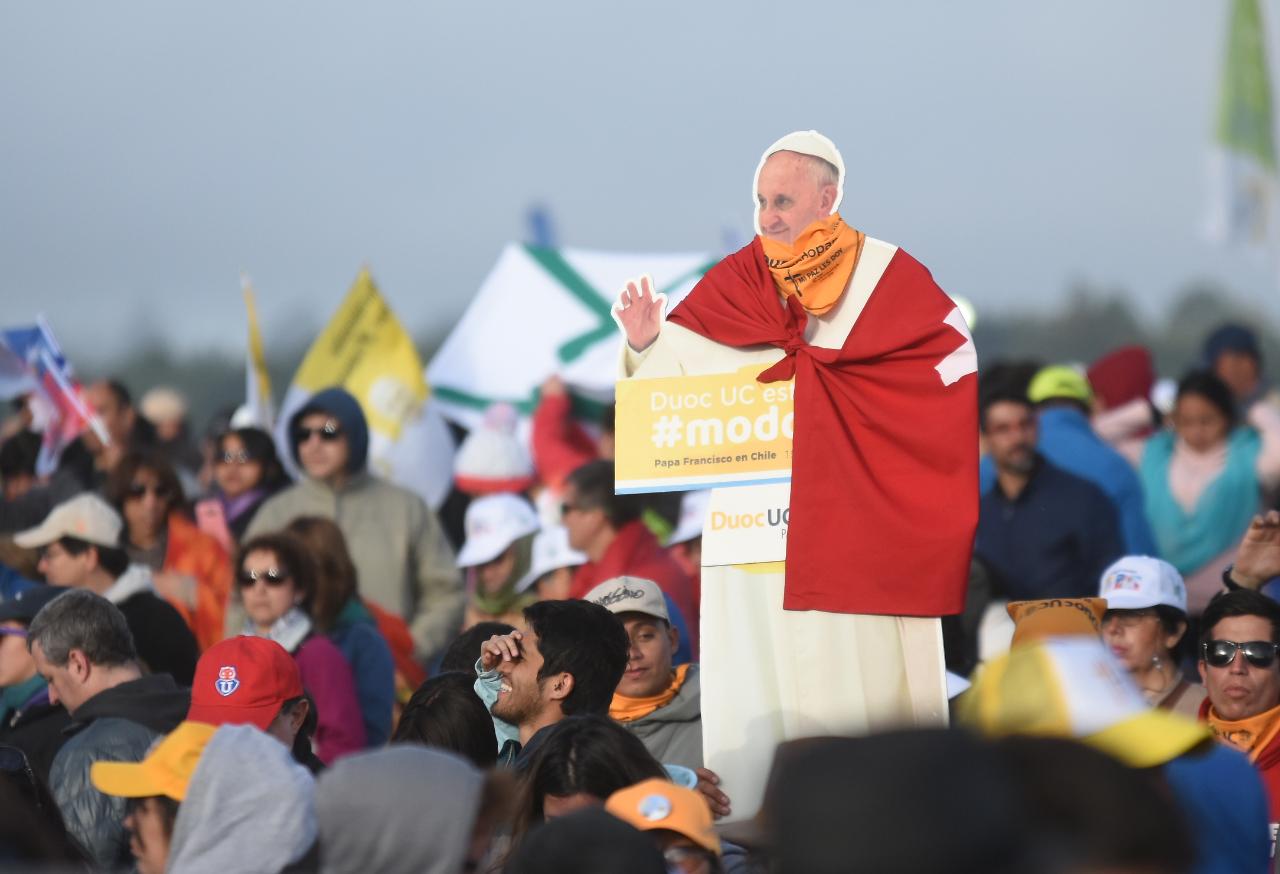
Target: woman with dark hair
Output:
[
  {"x": 583, "y": 761},
  {"x": 340, "y": 614},
  {"x": 446, "y": 713},
  {"x": 190, "y": 569},
  {"x": 276, "y": 581},
  {"x": 1145, "y": 627},
  {"x": 246, "y": 471},
  {"x": 1203, "y": 480}
]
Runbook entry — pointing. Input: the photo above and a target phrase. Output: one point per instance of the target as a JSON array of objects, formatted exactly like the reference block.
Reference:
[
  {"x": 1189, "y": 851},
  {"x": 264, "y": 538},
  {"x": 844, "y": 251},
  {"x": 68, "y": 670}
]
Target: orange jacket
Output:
[{"x": 192, "y": 552}]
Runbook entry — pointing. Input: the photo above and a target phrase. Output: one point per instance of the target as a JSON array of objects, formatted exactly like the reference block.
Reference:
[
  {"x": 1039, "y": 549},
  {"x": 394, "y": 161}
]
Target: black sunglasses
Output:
[
  {"x": 328, "y": 432},
  {"x": 272, "y": 577},
  {"x": 137, "y": 490},
  {"x": 1220, "y": 653}
]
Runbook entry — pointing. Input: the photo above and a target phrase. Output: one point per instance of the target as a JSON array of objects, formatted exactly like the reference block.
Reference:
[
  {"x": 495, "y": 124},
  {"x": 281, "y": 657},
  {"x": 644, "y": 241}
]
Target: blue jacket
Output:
[
  {"x": 1053, "y": 541},
  {"x": 1225, "y": 805},
  {"x": 356, "y": 634},
  {"x": 1069, "y": 441}
]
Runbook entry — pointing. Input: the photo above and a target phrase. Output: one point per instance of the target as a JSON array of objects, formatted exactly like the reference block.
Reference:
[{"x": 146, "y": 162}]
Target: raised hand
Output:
[
  {"x": 639, "y": 312},
  {"x": 500, "y": 648},
  {"x": 1258, "y": 558}
]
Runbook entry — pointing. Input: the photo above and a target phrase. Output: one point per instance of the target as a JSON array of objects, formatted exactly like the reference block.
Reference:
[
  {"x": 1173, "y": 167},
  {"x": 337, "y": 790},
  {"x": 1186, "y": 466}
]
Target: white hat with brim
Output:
[
  {"x": 693, "y": 516},
  {"x": 631, "y": 595},
  {"x": 1137, "y": 582},
  {"x": 493, "y": 523},
  {"x": 551, "y": 551},
  {"x": 85, "y": 517}
]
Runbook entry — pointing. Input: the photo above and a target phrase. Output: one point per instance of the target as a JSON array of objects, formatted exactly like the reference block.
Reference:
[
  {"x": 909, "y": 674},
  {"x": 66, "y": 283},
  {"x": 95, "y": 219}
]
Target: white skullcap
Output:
[{"x": 806, "y": 142}]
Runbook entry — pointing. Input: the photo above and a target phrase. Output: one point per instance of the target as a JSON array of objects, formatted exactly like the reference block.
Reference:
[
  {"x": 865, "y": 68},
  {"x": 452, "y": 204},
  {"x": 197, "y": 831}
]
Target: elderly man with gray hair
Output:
[{"x": 82, "y": 646}]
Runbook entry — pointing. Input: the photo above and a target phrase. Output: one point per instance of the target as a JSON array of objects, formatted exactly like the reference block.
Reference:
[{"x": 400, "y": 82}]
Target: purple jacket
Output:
[{"x": 327, "y": 678}]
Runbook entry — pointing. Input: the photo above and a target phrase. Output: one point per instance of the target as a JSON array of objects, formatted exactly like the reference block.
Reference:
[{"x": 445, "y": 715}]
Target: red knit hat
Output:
[
  {"x": 243, "y": 680},
  {"x": 1123, "y": 375}
]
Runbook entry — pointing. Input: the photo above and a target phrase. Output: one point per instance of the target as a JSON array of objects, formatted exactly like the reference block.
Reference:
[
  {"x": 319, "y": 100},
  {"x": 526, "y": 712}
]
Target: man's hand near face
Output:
[{"x": 500, "y": 648}]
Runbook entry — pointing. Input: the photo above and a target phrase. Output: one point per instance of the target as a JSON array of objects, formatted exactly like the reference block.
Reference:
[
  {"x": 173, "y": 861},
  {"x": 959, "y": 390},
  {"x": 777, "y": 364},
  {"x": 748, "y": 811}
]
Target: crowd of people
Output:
[{"x": 206, "y": 665}]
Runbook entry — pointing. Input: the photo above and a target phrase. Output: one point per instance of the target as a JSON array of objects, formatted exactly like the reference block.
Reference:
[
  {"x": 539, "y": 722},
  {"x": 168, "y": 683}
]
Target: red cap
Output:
[{"x": 243, "y": 680}]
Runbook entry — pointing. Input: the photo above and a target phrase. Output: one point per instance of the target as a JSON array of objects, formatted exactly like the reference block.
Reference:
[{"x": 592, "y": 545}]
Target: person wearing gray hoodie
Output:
[
  {"x": 241, "y": 802},
  {"x": 401, "y": 810}
]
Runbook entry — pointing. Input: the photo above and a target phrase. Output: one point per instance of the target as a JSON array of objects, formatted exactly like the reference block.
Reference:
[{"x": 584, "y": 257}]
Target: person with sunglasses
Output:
[
  {"x": 246, "y": 472},
  {"x": 1145, "y": 627},
  {"x": 404, "y": 562},
  {"x": 277, "y": 587},
  {"x": 1239, "y": 640},
  {"x": 190, "y": 568}
]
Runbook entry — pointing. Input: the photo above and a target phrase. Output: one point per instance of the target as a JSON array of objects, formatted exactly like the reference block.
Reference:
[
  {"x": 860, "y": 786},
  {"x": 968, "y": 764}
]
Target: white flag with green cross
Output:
[{"x": 546, "y": 312}]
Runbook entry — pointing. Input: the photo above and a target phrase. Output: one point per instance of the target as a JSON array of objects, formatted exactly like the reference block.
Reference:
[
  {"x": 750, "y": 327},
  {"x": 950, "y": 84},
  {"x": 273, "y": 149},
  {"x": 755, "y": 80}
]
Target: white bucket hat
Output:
[
  {"x": 493, "y": 523},
  {"x": 551, "y": 551}
]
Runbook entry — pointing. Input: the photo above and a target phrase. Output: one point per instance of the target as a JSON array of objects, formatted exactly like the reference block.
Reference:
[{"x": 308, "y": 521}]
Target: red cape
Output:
[{"x": 884, "y": 482}]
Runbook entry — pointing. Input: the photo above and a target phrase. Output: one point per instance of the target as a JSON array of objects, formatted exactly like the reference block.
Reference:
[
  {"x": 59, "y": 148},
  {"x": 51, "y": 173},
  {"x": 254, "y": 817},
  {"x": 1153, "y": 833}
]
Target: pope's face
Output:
[{"x": 789, "y": 196}]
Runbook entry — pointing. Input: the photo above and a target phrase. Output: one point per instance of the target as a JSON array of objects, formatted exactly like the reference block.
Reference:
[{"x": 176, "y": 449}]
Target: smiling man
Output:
[
  {"x": 567, "y": 661},
  {"x": 1238, "y": 648},
  {"x": 657, "y": 702}
]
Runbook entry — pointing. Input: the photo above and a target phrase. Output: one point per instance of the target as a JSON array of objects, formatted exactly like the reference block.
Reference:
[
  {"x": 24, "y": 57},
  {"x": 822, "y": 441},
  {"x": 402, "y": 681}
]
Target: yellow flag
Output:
[
  {"x": 257, "y": 394},
  {"x": 366, "y": 350}
]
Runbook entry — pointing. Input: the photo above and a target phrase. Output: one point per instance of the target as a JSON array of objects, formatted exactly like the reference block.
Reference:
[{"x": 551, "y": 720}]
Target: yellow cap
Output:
[
  {"x": 166, "y": 770},
  {"x": 1060, "y": 381},
  {"x": 1072, "y": 687},
  {"x": 660, "y": 804}
]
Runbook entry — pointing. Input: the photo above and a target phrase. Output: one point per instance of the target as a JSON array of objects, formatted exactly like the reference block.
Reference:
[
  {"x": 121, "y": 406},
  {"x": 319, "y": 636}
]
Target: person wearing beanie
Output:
[
  {"x": 403, "y": 560},
  {"x": 496, "y": 557},
  {"x": 1123, "y": 412},
  {"x": 492, "y": 460},
  {"x": 1234, "y": 355}
]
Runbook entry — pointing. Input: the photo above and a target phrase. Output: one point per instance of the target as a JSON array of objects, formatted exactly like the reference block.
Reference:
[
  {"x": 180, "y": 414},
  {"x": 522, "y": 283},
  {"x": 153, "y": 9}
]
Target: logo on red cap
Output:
[{"x": 226, "y": 682}]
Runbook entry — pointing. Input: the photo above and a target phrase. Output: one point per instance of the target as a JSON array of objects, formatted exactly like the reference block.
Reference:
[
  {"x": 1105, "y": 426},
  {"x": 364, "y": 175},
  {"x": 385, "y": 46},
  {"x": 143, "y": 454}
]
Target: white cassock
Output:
[{"x": 768, "y": 674}]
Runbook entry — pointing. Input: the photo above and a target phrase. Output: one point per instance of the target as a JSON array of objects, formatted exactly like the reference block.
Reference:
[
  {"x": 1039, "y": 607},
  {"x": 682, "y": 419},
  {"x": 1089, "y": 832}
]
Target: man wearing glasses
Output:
[
  {"x": 1238, "y": 646},
  {"x": 402, "y": 559}
]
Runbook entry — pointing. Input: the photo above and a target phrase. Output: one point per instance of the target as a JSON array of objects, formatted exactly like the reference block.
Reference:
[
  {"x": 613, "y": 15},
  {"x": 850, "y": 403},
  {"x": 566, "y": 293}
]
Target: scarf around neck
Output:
[
  {"x": 290, "y": 630},
  {"x": 1250, "y": 736},
  {"x": 506, "y": 599},
  {"x": 624, "y": 709},
  {"x": 817, "y": 266}
]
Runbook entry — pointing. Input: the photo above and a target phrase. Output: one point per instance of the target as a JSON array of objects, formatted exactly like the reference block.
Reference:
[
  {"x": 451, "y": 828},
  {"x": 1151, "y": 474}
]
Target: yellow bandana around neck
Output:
[
  {"x": 817, "y": 266},
  {"x": 1250, "y": 736},
  {"x": 624, "y": 709}
]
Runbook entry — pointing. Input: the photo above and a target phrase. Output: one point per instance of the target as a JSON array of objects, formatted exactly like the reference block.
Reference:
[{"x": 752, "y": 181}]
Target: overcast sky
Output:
[{"x": 151, "y": 151}]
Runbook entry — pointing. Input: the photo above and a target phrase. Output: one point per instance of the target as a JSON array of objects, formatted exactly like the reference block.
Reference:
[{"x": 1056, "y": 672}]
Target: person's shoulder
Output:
[
  {"x": 115, "y": 738},
  {"x": 1066, "y": 484}
]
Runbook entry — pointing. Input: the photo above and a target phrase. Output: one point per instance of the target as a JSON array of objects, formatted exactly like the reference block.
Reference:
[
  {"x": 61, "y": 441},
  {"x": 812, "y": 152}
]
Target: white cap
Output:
[
  {"x": 693, "y": 515},
  {"x": 493, "y": 523},
  {"x": 806, "y": 142},
  {"x": 85, "y": 517},
  {"x": 630, "y": 595},
  {"x": 551, "y": 551},
  {"x": 1139, "y": 581},
  {"x": 163, "y": 404}
]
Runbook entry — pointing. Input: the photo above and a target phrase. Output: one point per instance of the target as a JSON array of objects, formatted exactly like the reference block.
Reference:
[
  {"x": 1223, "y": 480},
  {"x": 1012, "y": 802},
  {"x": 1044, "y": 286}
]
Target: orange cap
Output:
[
  {"x": 1056, "y": 617},
  {"x": 660, "y": 804}
]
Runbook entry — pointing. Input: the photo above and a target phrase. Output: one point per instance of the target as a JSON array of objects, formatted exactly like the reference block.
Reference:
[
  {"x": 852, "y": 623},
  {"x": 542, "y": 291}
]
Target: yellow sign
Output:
[
  {"x": 368, "y": 352},
  {"x": 694, "y": 432}
]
